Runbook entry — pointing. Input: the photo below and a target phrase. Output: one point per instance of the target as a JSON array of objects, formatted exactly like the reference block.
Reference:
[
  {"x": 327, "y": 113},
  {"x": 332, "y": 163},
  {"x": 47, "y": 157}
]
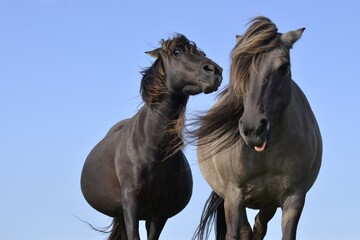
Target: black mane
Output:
[{"x": 153, "y": 83}]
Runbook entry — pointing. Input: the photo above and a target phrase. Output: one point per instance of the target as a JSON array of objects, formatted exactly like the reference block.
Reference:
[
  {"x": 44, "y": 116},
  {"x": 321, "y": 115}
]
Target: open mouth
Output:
[{"x": 261, "y": 147}]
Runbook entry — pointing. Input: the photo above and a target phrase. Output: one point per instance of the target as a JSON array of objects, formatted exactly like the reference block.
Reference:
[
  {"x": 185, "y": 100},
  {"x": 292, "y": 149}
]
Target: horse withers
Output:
[
  {"x": 259, "y": 146},
  {"x": 138, "y": 171}
]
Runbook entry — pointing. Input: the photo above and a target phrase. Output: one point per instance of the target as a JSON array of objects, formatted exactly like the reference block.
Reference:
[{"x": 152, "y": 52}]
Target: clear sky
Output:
[{"x": 69, "y": 70}]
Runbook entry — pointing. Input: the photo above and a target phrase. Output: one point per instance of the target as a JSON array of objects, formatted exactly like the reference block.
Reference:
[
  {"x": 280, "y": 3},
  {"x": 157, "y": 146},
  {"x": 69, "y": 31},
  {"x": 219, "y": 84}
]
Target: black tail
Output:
[
  {"x": 213, "y": 211},
  {"x": 114, "y": 229},
  {"x": 115, "y": 232}
]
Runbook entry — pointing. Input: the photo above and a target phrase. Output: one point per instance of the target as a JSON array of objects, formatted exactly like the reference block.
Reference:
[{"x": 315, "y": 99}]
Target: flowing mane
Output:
[
  {"x": 173, "y": 136},
  {"x": 260, "y": 37},
  {"x": 153, "y": 83},
  {"x": 179, "y": 41},
  {"x": 221, "y": 122},
  {"x": 153, "y": 91}
]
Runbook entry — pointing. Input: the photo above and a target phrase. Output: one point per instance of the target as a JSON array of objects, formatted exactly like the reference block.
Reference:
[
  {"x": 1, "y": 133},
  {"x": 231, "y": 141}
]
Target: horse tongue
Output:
[{"x": 260, "y": 148}]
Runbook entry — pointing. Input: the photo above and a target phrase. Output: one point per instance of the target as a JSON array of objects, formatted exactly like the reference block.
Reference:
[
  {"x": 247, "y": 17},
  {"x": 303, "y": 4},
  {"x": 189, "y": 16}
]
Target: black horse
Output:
[
  {"x": 138, "y": 171},
  {"x": 260, "y": 146}
]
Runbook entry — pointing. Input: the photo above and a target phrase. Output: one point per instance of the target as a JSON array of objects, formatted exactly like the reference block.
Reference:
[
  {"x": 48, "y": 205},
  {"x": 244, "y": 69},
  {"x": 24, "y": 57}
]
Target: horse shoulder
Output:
[
  {"x": 306, "y": 133},
  {"x": 122, "y": 133},
  {"x": 302, "y": 104},
  {"x": 301, "y": 118},
  {"x": 217, "y": 168}
]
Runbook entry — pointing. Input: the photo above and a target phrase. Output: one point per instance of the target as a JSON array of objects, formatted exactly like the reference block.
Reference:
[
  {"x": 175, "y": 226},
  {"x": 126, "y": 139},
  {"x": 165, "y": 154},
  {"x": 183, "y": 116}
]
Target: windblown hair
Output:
[
  {"x": 173, "y": 139},
  {"x": 153, "y": 90},
  {"x": 221, "y": 122},
  {"x": 153, "y": 83},
  {"x": 179, "y": 41},
  {"x": 262, "y": 36}
]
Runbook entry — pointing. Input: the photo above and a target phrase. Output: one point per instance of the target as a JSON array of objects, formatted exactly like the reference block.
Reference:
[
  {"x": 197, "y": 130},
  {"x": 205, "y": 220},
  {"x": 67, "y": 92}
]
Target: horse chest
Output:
[
  {"x": 161, "y": 180},
  {"x": 263, "y": 179},
  {"x": 259, "y": 181},
  {"x": 263, "y": 190},
  {"x": 166, "y": 187}
]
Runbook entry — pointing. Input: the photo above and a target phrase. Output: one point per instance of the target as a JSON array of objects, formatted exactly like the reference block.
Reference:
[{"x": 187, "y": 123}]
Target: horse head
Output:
[
  {"x": 266, "y": 89},
  {"x": 187, "y": 69}
]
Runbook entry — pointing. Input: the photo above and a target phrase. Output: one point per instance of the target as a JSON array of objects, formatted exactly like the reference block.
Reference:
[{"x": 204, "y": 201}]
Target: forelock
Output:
[{"x": 178, "y": 41}]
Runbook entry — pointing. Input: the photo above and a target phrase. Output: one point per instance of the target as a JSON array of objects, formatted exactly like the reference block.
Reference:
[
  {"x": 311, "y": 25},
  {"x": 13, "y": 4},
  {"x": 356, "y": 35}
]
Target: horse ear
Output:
[
  {"x": 238, "y": 38},
  {"x": 291, "y": 37},
  {"x": 156, "y": 53}
]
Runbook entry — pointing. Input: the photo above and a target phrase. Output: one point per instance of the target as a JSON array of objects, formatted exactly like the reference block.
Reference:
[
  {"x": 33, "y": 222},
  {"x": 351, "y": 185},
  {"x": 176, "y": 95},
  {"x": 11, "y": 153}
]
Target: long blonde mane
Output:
[
  {"x": 260, "y": 37},
  {"x": 221, "y": 122}
]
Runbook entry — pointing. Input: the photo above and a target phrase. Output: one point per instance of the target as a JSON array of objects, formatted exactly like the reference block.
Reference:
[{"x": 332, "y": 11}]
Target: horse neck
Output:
[
  {"x": 293, "y": 115},
  {"x": 170, "y": 108},
  {"x": 164, "y": 122}
]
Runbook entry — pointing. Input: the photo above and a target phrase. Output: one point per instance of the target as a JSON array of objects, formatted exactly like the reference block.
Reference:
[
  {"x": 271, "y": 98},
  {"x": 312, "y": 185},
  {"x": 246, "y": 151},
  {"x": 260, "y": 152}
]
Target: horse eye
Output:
[
  {"x": 176, "y": 52},
  {"x": 284, "y": 69}
]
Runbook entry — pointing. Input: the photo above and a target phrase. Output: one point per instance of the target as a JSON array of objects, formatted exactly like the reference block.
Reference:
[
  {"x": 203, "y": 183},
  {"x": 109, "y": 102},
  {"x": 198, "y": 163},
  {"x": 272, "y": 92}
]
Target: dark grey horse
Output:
[
  {"x": 259, "y": 146},
  {"x": 138, "y": 171}
]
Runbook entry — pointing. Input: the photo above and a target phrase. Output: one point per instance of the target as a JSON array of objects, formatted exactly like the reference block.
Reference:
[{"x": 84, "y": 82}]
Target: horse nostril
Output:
[
  {"x": 209, "y": 68},
  {"x": 246, "y": 132},
  {"x": 218, "y": 71},
  {"x": 263, "y": 126}
]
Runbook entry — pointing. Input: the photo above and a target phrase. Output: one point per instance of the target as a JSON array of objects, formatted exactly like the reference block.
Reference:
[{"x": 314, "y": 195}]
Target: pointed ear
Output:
[
  {"x": 154, "y": 53},
  {"x": 291, "y": 37},
  {"x": 238, "y": 38}
]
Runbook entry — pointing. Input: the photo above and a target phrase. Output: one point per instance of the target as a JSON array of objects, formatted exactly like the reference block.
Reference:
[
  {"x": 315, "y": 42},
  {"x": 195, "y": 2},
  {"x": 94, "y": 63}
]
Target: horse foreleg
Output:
[
  {"x": 231, "y": 208},
  {"x": 123, "y": 229},
  {"x": 261, "y": 221},
  {"x": 245, "y": 228},
  {"x": 236, "y": 218},
  {"x": 292, "y": 208},
  {"x": 130, "y": 210},
  {"x": 154, "y": 227}
]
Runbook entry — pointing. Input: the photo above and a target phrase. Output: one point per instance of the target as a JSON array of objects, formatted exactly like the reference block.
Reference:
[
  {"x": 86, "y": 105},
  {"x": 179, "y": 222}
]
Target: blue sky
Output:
[{"x": 69, "y": 70}]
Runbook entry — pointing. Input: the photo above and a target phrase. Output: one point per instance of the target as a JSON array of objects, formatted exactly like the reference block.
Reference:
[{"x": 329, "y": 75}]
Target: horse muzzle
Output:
[
  {"x": 256, "y": 136},
  {"x": 211, "y": 85},
  {"x": 212, "y": 77}
]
